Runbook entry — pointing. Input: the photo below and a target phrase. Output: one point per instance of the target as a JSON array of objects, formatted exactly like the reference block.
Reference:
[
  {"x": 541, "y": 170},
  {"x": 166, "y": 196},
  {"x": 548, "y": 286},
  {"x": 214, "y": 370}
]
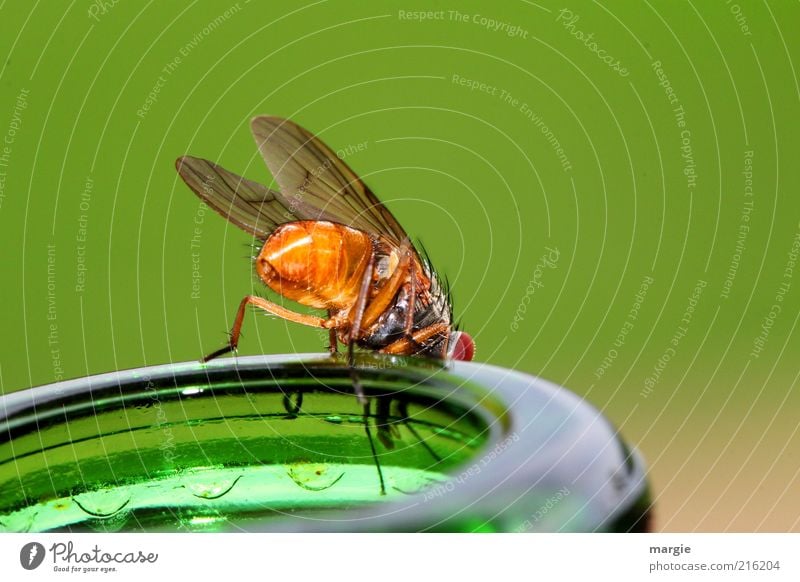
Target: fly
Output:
[{"x": 328, "y": 243}]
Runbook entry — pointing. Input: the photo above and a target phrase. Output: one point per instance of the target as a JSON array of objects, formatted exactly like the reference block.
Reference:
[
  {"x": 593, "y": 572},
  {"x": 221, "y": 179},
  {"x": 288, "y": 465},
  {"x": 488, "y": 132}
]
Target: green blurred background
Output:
[{"x": 551, "y": 157}]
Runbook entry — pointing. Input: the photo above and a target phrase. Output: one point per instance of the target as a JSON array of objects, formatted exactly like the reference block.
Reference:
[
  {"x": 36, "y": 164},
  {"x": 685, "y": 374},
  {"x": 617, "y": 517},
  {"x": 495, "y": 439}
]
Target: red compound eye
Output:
[{"x": 463, "y": 347}]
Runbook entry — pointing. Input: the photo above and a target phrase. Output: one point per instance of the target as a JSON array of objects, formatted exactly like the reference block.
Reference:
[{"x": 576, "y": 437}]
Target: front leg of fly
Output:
[
  {"x": 355, "y": 331},
  {"x": 333, "y": 345}
]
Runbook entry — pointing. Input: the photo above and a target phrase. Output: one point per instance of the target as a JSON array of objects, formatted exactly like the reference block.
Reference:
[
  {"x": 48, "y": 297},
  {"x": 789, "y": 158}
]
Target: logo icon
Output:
[{"x": 31, "y": 555}]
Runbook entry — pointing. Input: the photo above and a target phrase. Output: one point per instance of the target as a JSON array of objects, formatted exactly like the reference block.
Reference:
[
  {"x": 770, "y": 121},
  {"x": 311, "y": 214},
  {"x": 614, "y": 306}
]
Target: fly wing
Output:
[
  {"x": 316, "y": 184},
  {"x": 249, "y": 205}
]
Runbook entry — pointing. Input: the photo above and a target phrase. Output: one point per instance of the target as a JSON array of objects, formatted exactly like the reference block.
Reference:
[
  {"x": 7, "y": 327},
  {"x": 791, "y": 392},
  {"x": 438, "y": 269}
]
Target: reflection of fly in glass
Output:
[{"x": 330, "y": 244}]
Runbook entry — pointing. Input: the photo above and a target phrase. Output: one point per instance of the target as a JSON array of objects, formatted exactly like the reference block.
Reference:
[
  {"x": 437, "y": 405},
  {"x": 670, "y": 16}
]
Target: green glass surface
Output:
[{"x": 199, "y": 455}]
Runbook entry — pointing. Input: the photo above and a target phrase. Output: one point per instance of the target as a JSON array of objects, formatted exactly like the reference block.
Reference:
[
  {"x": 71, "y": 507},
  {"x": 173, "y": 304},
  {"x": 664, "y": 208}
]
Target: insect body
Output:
[{"x": 328, "y": 243}]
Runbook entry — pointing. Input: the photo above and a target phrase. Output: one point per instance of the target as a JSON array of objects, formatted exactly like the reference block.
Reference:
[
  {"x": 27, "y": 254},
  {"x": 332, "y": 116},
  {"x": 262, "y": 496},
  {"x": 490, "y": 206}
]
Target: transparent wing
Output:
[
  {"x": 249, "y": 205},
  {"x": 313, "y": 178}
]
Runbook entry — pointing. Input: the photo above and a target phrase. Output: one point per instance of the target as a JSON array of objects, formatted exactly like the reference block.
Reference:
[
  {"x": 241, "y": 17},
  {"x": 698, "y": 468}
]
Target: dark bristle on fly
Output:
[{"x": 440, "y": 289}]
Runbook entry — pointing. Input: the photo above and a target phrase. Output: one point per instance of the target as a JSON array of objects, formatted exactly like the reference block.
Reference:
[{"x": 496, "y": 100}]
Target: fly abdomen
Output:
[{"x": 316, "y": 263}]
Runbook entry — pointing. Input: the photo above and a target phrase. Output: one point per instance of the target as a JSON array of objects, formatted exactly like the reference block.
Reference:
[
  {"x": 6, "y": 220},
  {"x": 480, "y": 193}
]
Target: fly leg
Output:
[
  {"x": 269, "y": 307},
  {"x": 414, "y": 340},
  {"x": 333, "y": 346},
  {"x": 355, "y": 332},
  {"x": 384, "y": 297},
  {"x": 404, "y": 277},
  {"x": 372, "y": 446},
  {"x": 419, "y": 337},
  {"x": 355, "y": 327},
  {"x": 412, "y": 297}
]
